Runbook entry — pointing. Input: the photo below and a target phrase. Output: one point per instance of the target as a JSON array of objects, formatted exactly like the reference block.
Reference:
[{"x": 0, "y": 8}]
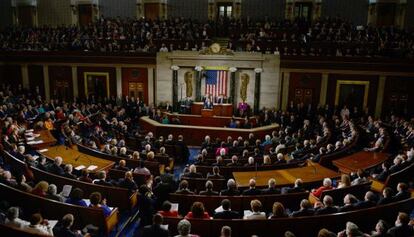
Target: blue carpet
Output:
[{"x": 178, "y": 168}]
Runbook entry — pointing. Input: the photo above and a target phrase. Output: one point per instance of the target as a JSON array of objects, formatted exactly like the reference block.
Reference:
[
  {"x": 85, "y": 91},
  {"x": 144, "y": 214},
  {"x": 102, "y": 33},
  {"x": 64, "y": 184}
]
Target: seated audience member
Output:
[
  {"x": 64, "y": 227},
  {"x": 345, "y": 181},
  {"x": 121, "y": 166},
  {"x": 85, "y": 176},
  {"x": 197, "y": 211},
  {"x": 225, "y": 231},
  {"x": 13, "y": 220},
  {"x": 267, "y": 160},
  {"x": 183, "y": 188},
  {"x": 271, "y": 189},
  {"x": 52, "y": 193},
  {"x": 305, "y": 209},
  {"x": 297, "y": 188},
  {"x": 226, "y": 213},
  {"x": 6, "y": 178},
  {"x": 255, "y": 213},
  {"x": 250, "y": 162},
  {"x": 251, "y": 191},
  {"x": 317, "y": 157},
  {"x": 280, "y": 159},
  {"x": 97, "y": 202},
  {"x": 128, "y": 182},
  {"x": 40, "y": 189},
  {"x": 36, "y": 226},
  {"x": 146, "y": 205},
  {"x": 219, "y": 161},
  {"x": 401, "y": 228},
  {"x": 278, "y": 211},
  {"x": 184, "y": 229},
  {"x": 21, "y": 183},
  {"x": 166, "y": 210},
  {"x": 56, "y": 168},
  {"x": 68, "y": 172},
  {"x": 215, "y": 174},
  {"x": 234, "y": 161},
  {"x": 326, "y": 233},
  {"x": 155, "y": 229},
  {"x": 382, "y": 176},
  {"x": 360, "y": 178},
  {"x": 402, "y": 192},
  {"x": 327, "y": 185},
  {"x": 351, "y": 230},
  {"x": 101, "y": 179},
  {"x": 328, "y": 207},
  {"x": 193, "y": 173},
  {"x": 386, "y": 196},
  {"x": 397, "y": 166},
  {"x": 76, "y": 198},
  {"x": 209, "y": 189},
  {"x": 231, "y": 189},
  {"x": 369, "y": 201},
  {"x": 380, "y": 229},
  {"x": 349, "y": 203},
  {"x": 142, "y": 169}
]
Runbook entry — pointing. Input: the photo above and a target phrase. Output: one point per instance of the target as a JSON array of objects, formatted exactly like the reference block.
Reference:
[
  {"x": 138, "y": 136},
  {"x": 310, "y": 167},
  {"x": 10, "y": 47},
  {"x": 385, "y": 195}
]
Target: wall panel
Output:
[
  {"x": 305, "y": 87},
  {"x": 409, "y": 16},
  {"x": 81, "y": 80},
  {"x": 259, "y": 9},
  {"x": 6, "y": 17},
  {"x": 54, "y": 12},
  {"x": 13, "y": 75},
  {"x": 398, "y": 96},
  {"x": 36, "y": 79},
  {"x": 197, "y": 9},
  {"x": 115, "y": 8},
  {"x": 356, "y": 11},
  {"x": 60, "y": 80},
  {"x": 137, "y": 75}
]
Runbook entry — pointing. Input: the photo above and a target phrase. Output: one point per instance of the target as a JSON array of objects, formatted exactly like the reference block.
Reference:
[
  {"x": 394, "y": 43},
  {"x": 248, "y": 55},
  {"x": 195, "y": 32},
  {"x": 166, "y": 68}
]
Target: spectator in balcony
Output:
[
  {"x": 85, "y": 176},
  {"x": 402, "y": 192},
  {"x": 52, "y": 193},
  {"x": 37, "y": 226},
  {"x": 345, "y": 181},
  {"x": 76, "y": 198},
  {"x": 401, "y": 228}
]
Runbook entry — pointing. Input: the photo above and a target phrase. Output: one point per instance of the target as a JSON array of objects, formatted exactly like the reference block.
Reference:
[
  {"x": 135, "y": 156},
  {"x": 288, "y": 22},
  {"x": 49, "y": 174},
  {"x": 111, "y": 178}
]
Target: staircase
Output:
[{"x": 223, "y": 42}]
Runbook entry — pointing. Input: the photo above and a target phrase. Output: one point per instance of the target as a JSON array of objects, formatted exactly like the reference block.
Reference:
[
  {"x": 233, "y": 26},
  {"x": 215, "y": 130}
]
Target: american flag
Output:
[{"x": 216, "y": 82}]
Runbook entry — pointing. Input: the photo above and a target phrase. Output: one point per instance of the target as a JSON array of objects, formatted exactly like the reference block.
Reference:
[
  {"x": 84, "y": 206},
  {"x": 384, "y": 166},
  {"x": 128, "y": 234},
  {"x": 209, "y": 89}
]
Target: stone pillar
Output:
[
  {"x": 211, "y": 10},
  {"x": 118, "y": 82},
  {"x": 289, "y": 9},
  {"x": 46, "y": 82},
  {"x": 75, "y": 82},
  {"x": 324, "y": 88},
  {"x": 258, "y": 73},
  {"x": 380, "y": 95},
  {"x": 285, "y": 90},
  {"x": 198, "y": 76},
  {"x": 317, "y": 9},
  {"x": 400, "y": 13},
  {"x": 175, "y": 69},
  {"x": 372, "y": 13},
  {"x": 25, "y": 76},
  {"x": 232, "y": 97},
  {"x": 151, "y": 86},
  {"x": 237, "y": 9},
  {"x": 140, "y": 9}
]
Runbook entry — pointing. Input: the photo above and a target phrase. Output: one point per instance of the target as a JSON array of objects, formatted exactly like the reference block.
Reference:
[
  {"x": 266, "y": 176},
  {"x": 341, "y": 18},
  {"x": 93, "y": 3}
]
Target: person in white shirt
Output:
[
  {"x": 36, "y": 226},
  {"x": 163, "y": 48},
  {"x": 255, "y": 214},
  {"x": 13, "y": 219}
]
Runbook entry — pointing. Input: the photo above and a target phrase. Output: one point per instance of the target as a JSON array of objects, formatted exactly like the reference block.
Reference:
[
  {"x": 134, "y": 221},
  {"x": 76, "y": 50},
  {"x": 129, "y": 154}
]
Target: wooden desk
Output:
[
  {"x": 360, "y": 160},
  {"x": 76, "y": 158},
  {"x": 207, "y": 113},
  {"x": 225, "y": 110},
  {"x": 309, "y": 174},
  {"x": 46, "y": 137}
]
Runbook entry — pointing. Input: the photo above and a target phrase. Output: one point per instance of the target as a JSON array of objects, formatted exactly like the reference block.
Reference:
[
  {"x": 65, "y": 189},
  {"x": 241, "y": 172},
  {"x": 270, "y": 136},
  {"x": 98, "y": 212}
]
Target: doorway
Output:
[
  {"x": 136, "y": 90},
  {"x": 352, "y": 94},
  {"x": 303, "y": 10},
  {"x": 96, "y": 85},
  {"x": 224, "y": 13},
  {"x": 85, "y": 14},
  {"x": 26, "y": 16},
  {"x": 386, "y": 14}
]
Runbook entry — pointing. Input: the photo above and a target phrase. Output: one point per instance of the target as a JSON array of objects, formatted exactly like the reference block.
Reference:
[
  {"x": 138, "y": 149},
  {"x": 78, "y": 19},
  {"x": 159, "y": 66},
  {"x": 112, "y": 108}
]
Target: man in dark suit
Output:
[
  {"x": 349, "y": 203},
  {"x": 234, "y": 161},
  {"x": 401, "y": 229},
  {"x": 63, "y": 228},
  {"x": 305, "y": 209},
  {"x": 216, "y": 174},
  {"x": 369, "y": 201},
  {"x": 387, "y": 196},
  {"x": 155, "y": 230},
  {"x": 209, "y": 189},
  {"x": 271, "y": 188},
  {"x": 68, "y": 172},
  {"x": 56, "y": 168},
  {"x": 193, "y": 173},
  {"x": 231, "y": 189},
  {"x": 295, "y": 189},
  {"x": 183, "y": 188},
  {"x": 128, "y": 182},
  {"x": 101, "y": 179},
  {"x": 328, "y": 206},
  {"x": 227, "y": 213},
  {"x": 403, "y": 192},
  {"x": 185, "y": 152},
  {"x": 252, "y": 189}
]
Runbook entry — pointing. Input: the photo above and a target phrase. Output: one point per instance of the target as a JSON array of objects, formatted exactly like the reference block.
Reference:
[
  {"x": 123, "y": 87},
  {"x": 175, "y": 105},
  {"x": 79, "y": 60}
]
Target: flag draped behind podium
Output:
[{"x": 216, "y": 82}]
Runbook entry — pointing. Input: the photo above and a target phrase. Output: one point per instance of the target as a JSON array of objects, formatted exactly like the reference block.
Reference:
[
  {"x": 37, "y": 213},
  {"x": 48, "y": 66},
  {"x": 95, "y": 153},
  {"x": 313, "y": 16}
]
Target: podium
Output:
[
  {"x": 207, "y": 113},
  {"x": 225, "y": 110}
]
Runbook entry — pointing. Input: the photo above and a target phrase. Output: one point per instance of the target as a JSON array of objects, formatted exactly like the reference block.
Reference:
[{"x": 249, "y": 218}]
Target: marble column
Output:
[
  {"x": 118, "y": 82},
  {"x": 258, "y": 73},
  {"x": 46, "y": 81},
  {"x": 285, "y": 90},
  {"x": 324, "y": 88},
  {"x": 380, "y": 95},
  {"x": 75, "y": 82},
  {"x": 198, "y": 76},
  {"x": 175, "y": 69},
  {"x": 232, "y": 97}
]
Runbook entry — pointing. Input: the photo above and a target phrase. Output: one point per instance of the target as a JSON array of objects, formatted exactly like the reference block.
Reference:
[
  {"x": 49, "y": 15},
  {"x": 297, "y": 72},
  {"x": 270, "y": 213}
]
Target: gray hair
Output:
[
  {"x": 184, "y": 227},
  {"x": 52, "y": 189}
]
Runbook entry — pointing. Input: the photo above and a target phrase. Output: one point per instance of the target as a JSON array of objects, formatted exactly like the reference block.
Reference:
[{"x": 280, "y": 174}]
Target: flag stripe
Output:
[{"x": 216, "y": 82}]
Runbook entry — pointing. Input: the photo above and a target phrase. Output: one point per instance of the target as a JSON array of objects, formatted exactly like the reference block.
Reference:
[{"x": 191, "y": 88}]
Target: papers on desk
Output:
[
  {"x": 92, "y": 167},
  {"x": 43, "y": 150},
  {"x": 81, "y": 167},
  {"x": 88, "y": 202},
  {"x": 30, "y": 138},
  {"x": 35, "y": 142},
  {"x": 29, "y": 134},
  {"x": 66, "y": 190},
  {"x": 247, "y": 213},
  {"x": 165, "y": 227},
  {"x": 52, "y": 223},
  {"x": 219, "y": 209},
  {"x": 174, "y": 206},
  {"x": 29, "y": 130}
]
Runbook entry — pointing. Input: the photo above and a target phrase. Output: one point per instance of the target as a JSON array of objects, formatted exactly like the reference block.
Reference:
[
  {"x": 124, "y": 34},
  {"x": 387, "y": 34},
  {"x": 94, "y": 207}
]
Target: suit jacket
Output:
[
  {"x": 326, "y": 210},
  {"x": 401, "y": 231},
  {"x": 346, "y": 208},
  {"x": 215, "y": 176},
  {"x": 103, "y": 182},
  {"x": 252, "y": 192},
  {"x": 402, "y": 196},
  {"x": 226, "y": 215},
  {"x": 229, "y": 192},
  {"x": 271, "y": 191},
  {"x": 365, "y": 204},
  {"x": 384, "y": 201},
  {"x": 55, "y": 169},
  {"x": 208, "y": 192},
  {"x": 154, "y": 231},
  {"x": 194, "y": 175}
]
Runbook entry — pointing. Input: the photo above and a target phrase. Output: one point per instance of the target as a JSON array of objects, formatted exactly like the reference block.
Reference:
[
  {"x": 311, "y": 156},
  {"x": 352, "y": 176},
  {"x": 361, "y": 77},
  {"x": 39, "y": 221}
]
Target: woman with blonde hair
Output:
[
  {"x": 345, "y": 181},
  {"x": 41, "y": 189}
]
